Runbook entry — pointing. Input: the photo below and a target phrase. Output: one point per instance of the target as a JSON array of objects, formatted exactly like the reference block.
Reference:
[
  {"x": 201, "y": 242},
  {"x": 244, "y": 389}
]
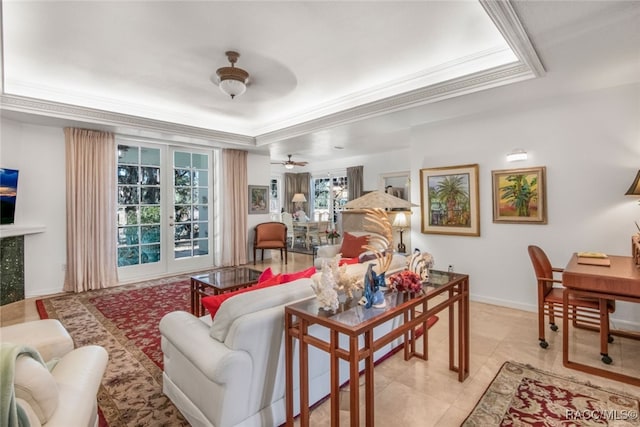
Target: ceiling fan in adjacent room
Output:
[{"x": 289, "y": 164}]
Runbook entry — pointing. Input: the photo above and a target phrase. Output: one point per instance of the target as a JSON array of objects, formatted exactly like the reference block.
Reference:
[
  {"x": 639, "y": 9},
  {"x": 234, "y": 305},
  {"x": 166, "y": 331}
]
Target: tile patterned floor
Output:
[{"x": 419, "y": 393}]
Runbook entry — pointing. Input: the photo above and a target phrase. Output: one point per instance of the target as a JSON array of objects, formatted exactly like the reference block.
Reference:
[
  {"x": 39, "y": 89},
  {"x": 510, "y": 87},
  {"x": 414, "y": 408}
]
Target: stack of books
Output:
[{"x": 594, "y": 258}]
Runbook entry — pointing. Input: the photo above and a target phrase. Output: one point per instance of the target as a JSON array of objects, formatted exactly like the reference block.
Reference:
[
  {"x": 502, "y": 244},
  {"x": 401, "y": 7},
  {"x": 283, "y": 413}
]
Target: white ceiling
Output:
[{"x": 322, "y": 73}]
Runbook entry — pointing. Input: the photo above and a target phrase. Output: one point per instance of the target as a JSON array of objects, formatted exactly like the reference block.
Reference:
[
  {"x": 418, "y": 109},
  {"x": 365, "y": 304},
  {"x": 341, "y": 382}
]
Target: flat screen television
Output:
[{"x": 8, "y": 191}]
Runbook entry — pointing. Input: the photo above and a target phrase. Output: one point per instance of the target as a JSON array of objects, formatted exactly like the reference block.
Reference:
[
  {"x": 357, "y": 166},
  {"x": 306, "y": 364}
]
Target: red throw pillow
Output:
[
  {"x": 347, "y": 261},
  {"x": 352, "y": 246},
  {"x": 265, "y": 275},
  {"x": 290, "y": 277},
  {"x": 212, "y": 303}
]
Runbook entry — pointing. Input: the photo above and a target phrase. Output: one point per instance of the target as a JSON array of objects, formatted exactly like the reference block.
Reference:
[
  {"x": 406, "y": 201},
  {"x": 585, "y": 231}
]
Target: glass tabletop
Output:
[
  {"x": 350, "y": 313},
  {"x": 228, "y": 277}
]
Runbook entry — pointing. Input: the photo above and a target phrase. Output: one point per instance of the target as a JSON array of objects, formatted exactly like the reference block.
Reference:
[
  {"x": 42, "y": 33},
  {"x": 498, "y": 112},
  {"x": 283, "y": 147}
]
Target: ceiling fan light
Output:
[
  {"x": 232, "y": 87},
  {"x": 233, "y": 80},
  {"x": 288, "y": 166}
]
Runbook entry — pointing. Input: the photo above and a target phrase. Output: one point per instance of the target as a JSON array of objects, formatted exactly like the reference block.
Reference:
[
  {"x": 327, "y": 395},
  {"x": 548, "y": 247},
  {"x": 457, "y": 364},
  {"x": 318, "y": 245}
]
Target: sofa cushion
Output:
[
  {"x": 258, "y": 299},
  {"x": 212, "y": 303},
  {"x": 34, "y": 384},
  {"x": 347, "y": 261},
  {"x": 352, "y": 246},
  {"x": 290, "y": 277}
]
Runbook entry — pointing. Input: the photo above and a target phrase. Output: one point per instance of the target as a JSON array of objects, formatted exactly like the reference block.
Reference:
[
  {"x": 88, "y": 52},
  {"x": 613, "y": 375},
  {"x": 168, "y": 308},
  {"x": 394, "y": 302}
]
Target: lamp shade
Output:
[
  {"x": 298, "y": 197},
  {"x": 232, "y": 87},
  {"x": 380, "y": 200},
  {"x": 634, "y": 190},
  {"x": 400, "y": 220}
]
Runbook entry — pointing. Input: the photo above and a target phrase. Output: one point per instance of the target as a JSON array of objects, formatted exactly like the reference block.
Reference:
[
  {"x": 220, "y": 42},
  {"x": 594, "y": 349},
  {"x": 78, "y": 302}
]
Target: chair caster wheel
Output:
[
  {"x": 606, "y": 359},
  {"x": 553, "y": 327},
  {"x": 610, "y": 338},
  {"x": 544, "y": 344}
]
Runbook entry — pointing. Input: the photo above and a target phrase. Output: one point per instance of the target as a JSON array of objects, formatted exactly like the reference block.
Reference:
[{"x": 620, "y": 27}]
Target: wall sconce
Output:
[
  {"x": 400, "y": 221},
  {"x": 517, "y": 155},
  {"x": 634, "y": 190}
]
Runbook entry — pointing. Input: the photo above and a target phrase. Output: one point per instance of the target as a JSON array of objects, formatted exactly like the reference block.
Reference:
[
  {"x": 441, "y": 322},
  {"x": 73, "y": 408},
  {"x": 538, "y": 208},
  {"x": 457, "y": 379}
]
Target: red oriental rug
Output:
[{"x": 521, "y": 395}]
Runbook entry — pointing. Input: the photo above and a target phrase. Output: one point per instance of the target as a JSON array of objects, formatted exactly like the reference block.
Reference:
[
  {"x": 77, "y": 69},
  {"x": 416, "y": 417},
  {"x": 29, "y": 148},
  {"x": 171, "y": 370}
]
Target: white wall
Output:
[
  {"x": 38, "y": 153},
  {"x": 590, "y": 145},
  {"x": 258, "y": 173}
]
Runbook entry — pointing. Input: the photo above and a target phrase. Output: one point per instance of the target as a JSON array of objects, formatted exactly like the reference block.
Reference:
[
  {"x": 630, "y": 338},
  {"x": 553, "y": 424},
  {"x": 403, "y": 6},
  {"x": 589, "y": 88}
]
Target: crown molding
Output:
[
  {"x": 486, "y": 79},
  {"x": 121, "y": 123},
  {"x": 506, "y": 20}
]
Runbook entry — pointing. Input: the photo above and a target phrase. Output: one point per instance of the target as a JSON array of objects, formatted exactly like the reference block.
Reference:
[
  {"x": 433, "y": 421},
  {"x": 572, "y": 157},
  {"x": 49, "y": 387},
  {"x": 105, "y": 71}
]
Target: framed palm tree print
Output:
[
  {"x": 450, "y": 203},
  {"x": 519, "y": 196}
]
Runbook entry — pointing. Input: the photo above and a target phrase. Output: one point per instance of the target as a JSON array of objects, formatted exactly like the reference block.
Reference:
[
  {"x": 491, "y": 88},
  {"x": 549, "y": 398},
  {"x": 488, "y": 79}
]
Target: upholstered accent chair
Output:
[
  {"x": 583, "y": 312},
  {"x": 270, "y": 235}
]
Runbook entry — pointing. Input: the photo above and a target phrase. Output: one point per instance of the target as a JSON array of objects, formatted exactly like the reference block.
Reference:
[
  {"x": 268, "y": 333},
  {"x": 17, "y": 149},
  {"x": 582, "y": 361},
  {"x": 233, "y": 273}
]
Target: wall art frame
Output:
[
  {"x": 450, "y": 202},
  {"x": 258, "y": 199},
  {"x": 519, "y": 195}
]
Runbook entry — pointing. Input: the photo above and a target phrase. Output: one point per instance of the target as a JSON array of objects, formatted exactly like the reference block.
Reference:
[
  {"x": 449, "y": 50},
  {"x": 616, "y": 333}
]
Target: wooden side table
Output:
[
  {"x": 219, "y": 281},
  {"x": 355, "y": 321}
]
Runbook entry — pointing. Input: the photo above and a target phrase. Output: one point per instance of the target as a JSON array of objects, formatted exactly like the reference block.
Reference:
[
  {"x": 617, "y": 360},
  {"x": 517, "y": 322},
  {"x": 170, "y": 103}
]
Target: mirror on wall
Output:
[{"x": 396, "y": 183}]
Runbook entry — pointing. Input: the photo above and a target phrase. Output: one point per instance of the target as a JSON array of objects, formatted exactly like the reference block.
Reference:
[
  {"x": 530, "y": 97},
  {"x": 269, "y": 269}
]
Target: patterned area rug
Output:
[
  {"x": 521, "y": 395},
  {"x": 124, "y": 320}
]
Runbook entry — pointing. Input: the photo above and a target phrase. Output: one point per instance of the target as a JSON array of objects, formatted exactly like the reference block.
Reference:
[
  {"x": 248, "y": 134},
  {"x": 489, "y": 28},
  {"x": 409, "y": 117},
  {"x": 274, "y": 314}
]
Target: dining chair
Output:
[
  {"x": 584, "y": 312},
  {"x": 287, "y": 219},
  {"x": 270, "y": 235}
]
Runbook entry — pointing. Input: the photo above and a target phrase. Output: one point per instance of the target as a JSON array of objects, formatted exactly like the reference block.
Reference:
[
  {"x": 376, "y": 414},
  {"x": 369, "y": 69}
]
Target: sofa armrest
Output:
[{"x": 213, "y": 358}]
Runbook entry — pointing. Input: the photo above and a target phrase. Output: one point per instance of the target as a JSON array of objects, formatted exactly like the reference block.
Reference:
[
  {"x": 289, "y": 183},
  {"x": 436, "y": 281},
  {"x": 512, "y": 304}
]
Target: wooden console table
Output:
[
  {"x": 619, "y": 281},
  {"x": 353, "y": 321}
]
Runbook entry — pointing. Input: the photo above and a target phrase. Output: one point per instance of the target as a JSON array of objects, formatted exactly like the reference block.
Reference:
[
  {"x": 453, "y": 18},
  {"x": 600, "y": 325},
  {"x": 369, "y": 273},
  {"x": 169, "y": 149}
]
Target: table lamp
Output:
[{"x": 400, "y": 221}]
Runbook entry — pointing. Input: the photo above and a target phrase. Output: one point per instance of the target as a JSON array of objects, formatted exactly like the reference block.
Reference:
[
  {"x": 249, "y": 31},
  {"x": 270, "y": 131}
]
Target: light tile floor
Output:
[{"x": 426, "y": 393}]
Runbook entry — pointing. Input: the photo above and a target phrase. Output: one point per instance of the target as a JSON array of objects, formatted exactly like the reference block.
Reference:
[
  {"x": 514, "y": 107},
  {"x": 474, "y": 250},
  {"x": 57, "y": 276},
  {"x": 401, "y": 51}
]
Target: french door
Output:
[{"x": 164, "y": 215}]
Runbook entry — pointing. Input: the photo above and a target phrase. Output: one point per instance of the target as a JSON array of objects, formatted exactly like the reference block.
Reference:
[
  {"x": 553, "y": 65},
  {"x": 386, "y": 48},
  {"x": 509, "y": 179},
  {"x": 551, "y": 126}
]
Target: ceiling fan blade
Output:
[{"x": 300, "y": 163}]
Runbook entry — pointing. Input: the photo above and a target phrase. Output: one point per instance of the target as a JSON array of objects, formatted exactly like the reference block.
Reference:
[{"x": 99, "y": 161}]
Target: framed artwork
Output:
[
  {"x": 519, "y": 195},
  {"x": 450, "y": 203},
  {"x": 258, "y": 199}
]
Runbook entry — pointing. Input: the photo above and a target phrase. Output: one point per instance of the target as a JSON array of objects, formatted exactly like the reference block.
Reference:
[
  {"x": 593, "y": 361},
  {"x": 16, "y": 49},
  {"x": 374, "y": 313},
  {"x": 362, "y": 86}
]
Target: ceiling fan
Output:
[{"x": 289, "y": 164}]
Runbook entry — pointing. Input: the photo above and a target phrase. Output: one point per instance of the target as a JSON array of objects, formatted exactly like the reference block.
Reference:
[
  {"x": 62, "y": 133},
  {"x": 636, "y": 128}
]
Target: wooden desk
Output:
[
  {"x": 620, "y": 281},
  {"x": 354, "y": 321}
]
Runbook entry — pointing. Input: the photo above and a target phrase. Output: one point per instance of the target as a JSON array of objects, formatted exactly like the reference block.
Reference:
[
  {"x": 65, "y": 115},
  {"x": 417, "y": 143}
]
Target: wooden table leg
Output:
[
  {"x": 304, "y": 373},
  {"x": 354, "y": 384},
  {"x": 368, "y": 379},
  {"x": 288, "y": 352},
  {"x": 335, "y": 379}
]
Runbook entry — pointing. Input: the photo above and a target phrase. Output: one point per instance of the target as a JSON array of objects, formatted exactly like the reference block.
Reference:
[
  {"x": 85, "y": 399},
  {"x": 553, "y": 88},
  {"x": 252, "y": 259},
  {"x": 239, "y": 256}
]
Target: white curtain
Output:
[
  {"x": 235, "y": 208},
  {"x": 91, "y": 210}
]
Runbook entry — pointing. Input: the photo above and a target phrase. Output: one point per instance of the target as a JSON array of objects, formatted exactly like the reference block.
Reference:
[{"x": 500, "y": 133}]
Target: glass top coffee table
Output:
[{"x": 219, "y": 281}]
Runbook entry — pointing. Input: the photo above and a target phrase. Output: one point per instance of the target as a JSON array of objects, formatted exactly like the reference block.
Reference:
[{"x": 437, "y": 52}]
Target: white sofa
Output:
[
  {"x": 65, "y": 395},
  {"x": 231, "y": 372}
]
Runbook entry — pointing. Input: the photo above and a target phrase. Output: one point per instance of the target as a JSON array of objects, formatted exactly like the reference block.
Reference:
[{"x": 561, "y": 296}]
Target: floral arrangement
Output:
[
  {"x": 405, "y": 281},
  {"x": 332, "y": 280},
  {"x": 333, "y": 234}
]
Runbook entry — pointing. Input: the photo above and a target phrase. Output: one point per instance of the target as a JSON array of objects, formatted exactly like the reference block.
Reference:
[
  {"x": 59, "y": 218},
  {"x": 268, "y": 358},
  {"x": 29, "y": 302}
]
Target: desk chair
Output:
[
  {"x": 270, "y": 235},
  {"x": 584, "y": 312}
]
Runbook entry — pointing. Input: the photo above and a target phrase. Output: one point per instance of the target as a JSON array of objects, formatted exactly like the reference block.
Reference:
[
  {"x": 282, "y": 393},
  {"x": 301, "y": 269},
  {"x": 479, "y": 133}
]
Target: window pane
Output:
[
  {"x": 203, "y": 229},
  {"x": 150, "y": 253},
  {"x": 201, "y": 247},
  {"x": 127, "y": 174},
  {"x": 128, "y": 195},
  {"x": 150, "y": 176},
  {"x": 128, "y": 256},
  {"x": 150, "y": 214},
  {"x": 150, "y": 234},
  {"x": 182, "y": 232},
  {"x": 200, "y": 195},
  {"x": 150, "y": 195},
  {"x": 201, "y": 178},
  {"x": 150, "y": 156},
  {"x": 182, "y": 160},
  {"x": 183, "y": 213},
  {"x": 128, "y": 154},
  {"x": 128, "y": 235},
  {"x": 128, "y": 215},
  {"x": 182, "y": 250},
  {"x": 200, "y": 161},
  {"x": 182, "y": 177},
  {"x": 183, "y": 195},
  {"x": 201, "y": 212}
]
